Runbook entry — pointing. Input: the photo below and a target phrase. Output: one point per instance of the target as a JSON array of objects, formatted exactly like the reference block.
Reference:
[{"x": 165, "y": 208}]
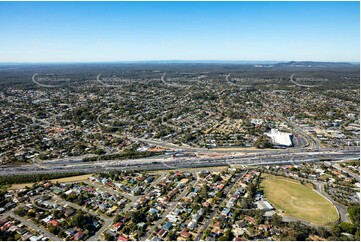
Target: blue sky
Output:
[{"x": 130, "y": 31}]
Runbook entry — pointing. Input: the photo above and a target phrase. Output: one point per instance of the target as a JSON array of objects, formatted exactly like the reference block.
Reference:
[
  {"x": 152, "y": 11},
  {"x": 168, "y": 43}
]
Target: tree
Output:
[
  {"x": 251, "y": 190},
  {"x": 171, "y": 235},
  {"x": 116, "y": 218},
  {"x": 236, "y": 214},
  {"x": 259, "y": 216},
  {"x": 204, "y": 191},
  {"x": 323, "y": 232},
  {"x": 223, "y": 238},
  {"x": 217, "y": 178},
  {"x": 336, "y": 231},
  {"x": 276, "y": 220},
  {"x": 80, "y": 220},
  {"x": 347, "y": 227},
  {"x": 31, "y": 213},
  {"x": 61, "y": 234},
  {"x": 220, "y": 194},
  {"x": 263, "y": 142},
  {"x": 53, "y": 229},
  {"x": 354, "y": 212},
  {"x": 251, "y": 230},
  {"x": 108, "y": 237},
  {"x": 137, "y": 216},
  {"x": 207, "y": 233},
  {"x": 20, "y": 212}
]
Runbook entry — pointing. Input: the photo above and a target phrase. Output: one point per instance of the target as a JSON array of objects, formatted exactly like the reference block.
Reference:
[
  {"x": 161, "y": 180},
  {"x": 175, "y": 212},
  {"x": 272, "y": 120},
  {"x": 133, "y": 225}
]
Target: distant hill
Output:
[
  {"x": 314, "y": 64},
  {"x": 223, "y": 62}
]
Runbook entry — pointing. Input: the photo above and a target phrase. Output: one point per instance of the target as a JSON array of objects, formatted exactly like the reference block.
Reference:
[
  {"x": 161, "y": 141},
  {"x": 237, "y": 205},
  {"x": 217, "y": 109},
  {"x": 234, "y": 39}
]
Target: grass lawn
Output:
[
  {"x": 60, "y": 180},
  {"x": 298, "y": 201}
]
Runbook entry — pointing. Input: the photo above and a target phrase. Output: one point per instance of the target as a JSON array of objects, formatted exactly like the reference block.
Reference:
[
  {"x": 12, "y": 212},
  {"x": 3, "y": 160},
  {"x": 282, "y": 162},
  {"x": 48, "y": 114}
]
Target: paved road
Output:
[
  {"x": 107, "y": 220},
  {"x": 156, "y": 181},
  {"x": 111, "y": 191},
  {"x": 63, "y": 202},
  {"x": 276, "y": 158},
  {"x": 346, "y": 170},
  {"x": 105, "y": 226},
  {"x": 169, "y": 84},
  {"x": 105, "y": 84},
  {"x": 215, "y": 207},
  {"x": 43, "y": 85},
  {"x": 313, "y": 143},
  {"x": 320, "y": 188},
  {"x": 301, "y": 85},
  {"x": 342, "y": 210},
  {"x": 187, "y": 148},
  {"x": 234, "y": 84},
  {"x": 33, "y": 226},
  {"x": 228, "y": 81},
  {"x": 36, "y": 206},
  {"x": 166, "y": 83},
  {"x": 170, "y": 208}
]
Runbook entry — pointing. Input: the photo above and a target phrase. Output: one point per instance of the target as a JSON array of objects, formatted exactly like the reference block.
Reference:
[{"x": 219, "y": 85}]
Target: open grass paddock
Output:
[
  {"x": 60, "y": 180},
  {"x": 298, "y": 201}
]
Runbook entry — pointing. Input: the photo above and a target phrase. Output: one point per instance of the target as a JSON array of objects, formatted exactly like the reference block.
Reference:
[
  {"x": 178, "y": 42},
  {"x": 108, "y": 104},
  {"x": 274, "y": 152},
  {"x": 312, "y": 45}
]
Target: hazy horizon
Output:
[
  {"x": 265, "y": 62},
  {"x": 38, "y": 32}
]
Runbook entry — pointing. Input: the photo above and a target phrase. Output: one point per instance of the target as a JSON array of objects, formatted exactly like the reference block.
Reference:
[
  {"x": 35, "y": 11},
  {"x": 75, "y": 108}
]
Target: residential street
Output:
[
  {"x": 107, "y": 220},
  {"x": 342, "y": 210},
  {"x": 111, "y": 191},
  {"x": 170, "y": 208},
  {"x": 208, "y": 221},
  {"x": 32, "y": 225}
]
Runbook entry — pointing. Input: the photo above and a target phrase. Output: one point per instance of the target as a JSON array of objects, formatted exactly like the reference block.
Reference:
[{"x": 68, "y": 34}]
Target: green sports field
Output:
[{"x": 298, "y": 201}]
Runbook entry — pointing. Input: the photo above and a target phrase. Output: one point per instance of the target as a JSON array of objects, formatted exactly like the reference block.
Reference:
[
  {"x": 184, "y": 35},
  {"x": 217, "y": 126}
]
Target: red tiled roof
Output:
[
  {"x": 250, "y": 219},
  {"x": 54, "y": 222},
  {"x": 122, "y": 238},
  {"x": 118, "y": 225},
  {"x": 78, "y": 235},
  {"x": 185, "y": 234}
]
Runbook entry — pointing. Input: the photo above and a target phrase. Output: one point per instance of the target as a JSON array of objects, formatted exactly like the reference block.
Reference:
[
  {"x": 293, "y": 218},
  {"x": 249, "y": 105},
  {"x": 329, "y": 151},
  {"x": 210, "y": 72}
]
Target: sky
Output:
[{"x": 138, "y": 31}]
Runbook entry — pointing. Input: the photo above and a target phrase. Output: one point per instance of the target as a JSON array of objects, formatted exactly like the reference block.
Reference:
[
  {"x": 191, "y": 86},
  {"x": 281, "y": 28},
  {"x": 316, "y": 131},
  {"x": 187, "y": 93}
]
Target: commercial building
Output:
[{"x": 280, "y": 138}]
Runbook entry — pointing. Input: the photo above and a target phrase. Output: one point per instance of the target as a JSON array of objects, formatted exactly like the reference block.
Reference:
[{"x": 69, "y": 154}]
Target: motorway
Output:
[
  {"x": 228, "y": 81},
  {"x": 276, "y": 157},
  {"x": 42, "y": 85},
  {"x": 312, "y": 142},
  {"x": 312, "y": 153},
  {"x": 168, "y": 84},
  {"x": 105, "y": 84},
  {"x": 234, "y": 84},
  {"x": 301, "y": 85}
]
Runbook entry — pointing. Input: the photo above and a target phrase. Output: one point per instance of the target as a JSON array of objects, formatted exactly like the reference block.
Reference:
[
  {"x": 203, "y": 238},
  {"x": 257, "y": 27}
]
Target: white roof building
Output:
[
  {"x": 264, "y": 205},
  {"x": 280, "y": 138}
]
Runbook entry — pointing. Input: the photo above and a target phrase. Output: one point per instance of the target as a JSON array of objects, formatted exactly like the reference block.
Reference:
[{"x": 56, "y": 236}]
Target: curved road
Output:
[
  {"x": 43, "y": 85},
  {"x": 301, "y": 85}
]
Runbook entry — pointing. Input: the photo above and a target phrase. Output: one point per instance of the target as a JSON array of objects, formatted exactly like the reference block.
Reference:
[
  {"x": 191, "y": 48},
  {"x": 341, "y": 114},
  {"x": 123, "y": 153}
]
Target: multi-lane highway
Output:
[
  {"x": 42, "y": 85},
  {"x": 301, "y": 85},
  {"x": 312, "y": 153},
  {"x": 166, "y": 163}
]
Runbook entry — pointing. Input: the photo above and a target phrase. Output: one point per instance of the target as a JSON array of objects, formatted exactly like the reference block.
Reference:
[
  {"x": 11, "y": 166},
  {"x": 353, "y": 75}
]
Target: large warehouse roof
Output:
[{"x": 280, "y": 138}]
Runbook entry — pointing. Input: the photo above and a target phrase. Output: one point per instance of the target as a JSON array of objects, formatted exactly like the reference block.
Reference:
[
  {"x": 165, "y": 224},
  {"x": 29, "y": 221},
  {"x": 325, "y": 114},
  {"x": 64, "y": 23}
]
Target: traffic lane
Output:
[{"x": 187, "y": 163}]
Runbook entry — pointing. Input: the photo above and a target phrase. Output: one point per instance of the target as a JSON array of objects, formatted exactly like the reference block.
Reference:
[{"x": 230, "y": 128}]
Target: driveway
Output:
[
  {"x": 33, "y": 226},
  {"x": 171, "y": 207}
]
